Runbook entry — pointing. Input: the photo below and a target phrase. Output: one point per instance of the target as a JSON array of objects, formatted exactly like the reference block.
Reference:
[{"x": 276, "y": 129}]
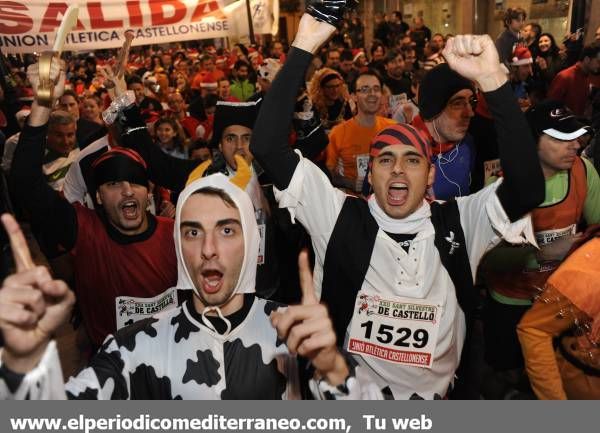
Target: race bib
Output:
[
  {"x": 261, "y": 248},
  {"x": 131, "y": 309},
  {"x": 491, "y": 171},
  {"x": 262, "y": 231},
  {"x": 395, "y": 329},
  {"x": 549, "y": 236},
  {"x": 362, "y": 164},
  {"x": 397, "y": 100}
]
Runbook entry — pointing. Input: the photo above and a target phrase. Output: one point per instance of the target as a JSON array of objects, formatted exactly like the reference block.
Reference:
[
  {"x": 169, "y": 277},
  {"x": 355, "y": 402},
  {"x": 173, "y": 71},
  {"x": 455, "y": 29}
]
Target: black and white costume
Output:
[
  {"x": 182, "y": 353},
  {"x": 417, "y": 273}
]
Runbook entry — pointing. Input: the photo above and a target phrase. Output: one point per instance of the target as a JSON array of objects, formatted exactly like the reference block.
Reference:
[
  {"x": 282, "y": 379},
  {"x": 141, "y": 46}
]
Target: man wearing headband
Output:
[
  {"x": 397, "y": 271},
  {"x": 223, "y": 343},
  {"x": 122, "y": 255},
  {"x": 514, "y": 275}
]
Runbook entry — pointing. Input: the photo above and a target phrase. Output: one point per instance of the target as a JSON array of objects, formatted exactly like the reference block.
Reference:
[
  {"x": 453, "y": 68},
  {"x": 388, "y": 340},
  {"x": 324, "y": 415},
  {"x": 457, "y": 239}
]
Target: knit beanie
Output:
[{"x": 438, "y": 86}]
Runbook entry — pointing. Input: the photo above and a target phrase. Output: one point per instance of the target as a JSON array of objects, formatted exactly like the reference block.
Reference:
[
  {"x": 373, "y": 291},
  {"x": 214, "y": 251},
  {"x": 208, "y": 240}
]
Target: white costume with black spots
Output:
[{"x": 183, "y": 353}]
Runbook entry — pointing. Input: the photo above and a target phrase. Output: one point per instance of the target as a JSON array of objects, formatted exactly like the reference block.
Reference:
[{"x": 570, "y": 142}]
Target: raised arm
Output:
[
  {"x": 269, "y": 143},
  {"x": 48, "y": 211},
  {"x": 163, "y": 169},
  {"x": 523, "y": 188}
]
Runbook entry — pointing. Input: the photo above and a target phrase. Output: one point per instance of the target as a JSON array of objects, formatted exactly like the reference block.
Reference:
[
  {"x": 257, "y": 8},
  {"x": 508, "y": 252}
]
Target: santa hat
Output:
[
  {"x": 357, "y": 53},
  {"x": 521, "y": 56},
  {"x": 208, "y": 85}
]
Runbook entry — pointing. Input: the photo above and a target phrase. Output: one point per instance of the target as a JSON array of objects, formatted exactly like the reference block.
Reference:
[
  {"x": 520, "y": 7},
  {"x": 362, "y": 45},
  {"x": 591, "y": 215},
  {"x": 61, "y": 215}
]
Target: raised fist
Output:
[{"x": 475, "y": 57}]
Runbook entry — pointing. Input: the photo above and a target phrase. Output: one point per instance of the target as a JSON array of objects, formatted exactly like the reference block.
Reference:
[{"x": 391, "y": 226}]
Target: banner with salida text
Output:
[{"x": 28, "y": 26}]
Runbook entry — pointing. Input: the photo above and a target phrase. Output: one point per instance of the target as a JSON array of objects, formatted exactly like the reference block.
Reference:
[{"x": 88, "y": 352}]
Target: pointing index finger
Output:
[
  {"x": 18, "y": 244},
  {"x": 309, "y": 297}
]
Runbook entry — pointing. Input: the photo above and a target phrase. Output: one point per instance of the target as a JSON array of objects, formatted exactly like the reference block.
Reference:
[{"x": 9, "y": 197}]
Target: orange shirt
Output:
[{"x": 348, "y": 149}]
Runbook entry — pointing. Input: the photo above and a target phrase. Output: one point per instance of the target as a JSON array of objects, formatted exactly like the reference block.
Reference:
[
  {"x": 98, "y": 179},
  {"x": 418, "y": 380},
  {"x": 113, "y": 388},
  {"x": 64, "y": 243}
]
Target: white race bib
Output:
[
  {"x": 362, "y": 164},
  {"x": 131, "y": 309},
  {"x": 395, "y": 329},
  {"x": 259, "y": 214},
  {"x": 491, "y": 171},
  {"x": 261, "y": 248},
  {"x": 397, "y": 100},
  {"x": 549, "y": 236}
]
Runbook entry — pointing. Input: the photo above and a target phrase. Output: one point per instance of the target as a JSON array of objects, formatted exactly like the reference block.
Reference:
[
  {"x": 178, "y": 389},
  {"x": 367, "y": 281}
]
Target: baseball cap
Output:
[{"x": 556, "y": 120}]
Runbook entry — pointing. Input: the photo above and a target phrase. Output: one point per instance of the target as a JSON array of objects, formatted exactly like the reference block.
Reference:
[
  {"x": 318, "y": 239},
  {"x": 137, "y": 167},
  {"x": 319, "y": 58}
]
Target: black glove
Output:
[{"x": 330, "y": 11}]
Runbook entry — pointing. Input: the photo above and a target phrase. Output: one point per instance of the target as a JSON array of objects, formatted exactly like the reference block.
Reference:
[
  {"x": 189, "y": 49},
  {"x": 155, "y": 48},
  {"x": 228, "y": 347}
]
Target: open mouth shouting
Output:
[
  {"x": 212, "y": 280},
  {"x": 397, "y": 193},
  {"x": 130, "y": 209}
]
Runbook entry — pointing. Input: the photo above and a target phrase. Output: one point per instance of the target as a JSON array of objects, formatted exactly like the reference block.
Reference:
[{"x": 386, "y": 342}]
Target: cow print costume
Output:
[{"x": 186, "y": 354}]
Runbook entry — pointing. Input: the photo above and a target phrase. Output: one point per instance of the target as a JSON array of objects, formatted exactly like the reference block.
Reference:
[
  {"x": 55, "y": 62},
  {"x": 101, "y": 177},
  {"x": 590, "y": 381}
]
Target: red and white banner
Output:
[{"x": 30, "y": 25}]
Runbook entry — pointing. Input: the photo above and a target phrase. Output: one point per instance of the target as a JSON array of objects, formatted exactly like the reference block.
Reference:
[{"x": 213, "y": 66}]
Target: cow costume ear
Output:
[{"x": 241, "y": 178}]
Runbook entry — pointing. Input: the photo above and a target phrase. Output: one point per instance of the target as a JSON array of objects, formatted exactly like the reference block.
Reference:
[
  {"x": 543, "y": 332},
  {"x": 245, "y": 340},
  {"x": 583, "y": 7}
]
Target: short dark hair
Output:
[
  {"x": 370, "y": 73},
  {"x": 134, "y": 79},
  {"x": 514, "y": 14},
  {"x": 346, "y": 55},
  {"x": 397, "y": 14},
  {"x": 239, "y": 64},
  {"x": 590, "y": 50},
  {"x": 536, "y": 28},
  {"x": 69, "y": 92},
  {"x": 216, "y": 192},
  {"x": 210, "y": 100},
  {"x": 206, "y": 57},
  {"x": 199, "y": 143},
  {"x": 392, "y": 54},
  {"x": 376, "y": 44},
  {"x": 332, "y": 50}
]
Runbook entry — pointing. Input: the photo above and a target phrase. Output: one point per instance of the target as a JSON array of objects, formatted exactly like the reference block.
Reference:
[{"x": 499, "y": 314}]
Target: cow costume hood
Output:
[{"x": 247, "y": 279}]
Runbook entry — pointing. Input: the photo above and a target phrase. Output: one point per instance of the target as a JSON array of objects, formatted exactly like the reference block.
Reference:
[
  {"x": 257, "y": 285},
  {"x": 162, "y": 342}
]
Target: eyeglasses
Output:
[
  {"x": 461, "y": 104},
  {"x": 365, "y": 90}
]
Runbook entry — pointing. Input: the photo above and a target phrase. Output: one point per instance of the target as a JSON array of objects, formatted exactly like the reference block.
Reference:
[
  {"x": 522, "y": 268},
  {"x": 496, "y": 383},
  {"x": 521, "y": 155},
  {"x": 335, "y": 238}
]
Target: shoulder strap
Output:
[
  {"x": 451, "y": 245},
  {"x": 347, "y": 260}
]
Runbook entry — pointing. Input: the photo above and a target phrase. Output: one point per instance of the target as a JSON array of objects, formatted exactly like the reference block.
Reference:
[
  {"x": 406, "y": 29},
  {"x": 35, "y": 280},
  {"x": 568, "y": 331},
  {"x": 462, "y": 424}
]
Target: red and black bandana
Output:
[{"x": 400, "y": 134}]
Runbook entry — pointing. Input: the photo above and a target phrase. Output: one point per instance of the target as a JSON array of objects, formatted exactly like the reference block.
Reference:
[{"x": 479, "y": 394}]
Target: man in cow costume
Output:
[{"x": 223, "y": 343}]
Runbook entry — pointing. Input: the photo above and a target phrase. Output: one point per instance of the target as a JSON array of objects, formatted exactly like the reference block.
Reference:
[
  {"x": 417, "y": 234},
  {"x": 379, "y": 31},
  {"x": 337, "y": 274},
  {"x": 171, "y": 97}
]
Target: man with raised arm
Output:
[
  {"x": 397, "y": 270},
  {"x": 223, "y": 343}
]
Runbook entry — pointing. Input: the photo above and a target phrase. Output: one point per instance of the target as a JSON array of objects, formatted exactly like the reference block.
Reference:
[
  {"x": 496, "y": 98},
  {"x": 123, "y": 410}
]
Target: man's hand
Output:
[
  {"x": 32, "y": 305},
  {"x": 39, "y": 113},
  {"x": 312, "y": 34},
  {"x": 308, "y": 331},
  {"x": 109, "y": 76},
  {"x": 475, "y": 57}
]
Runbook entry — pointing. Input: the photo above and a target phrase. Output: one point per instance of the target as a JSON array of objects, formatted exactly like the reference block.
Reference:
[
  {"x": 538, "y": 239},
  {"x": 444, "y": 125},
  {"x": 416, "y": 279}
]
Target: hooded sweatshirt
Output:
[{"x": 181, "y": 353}]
